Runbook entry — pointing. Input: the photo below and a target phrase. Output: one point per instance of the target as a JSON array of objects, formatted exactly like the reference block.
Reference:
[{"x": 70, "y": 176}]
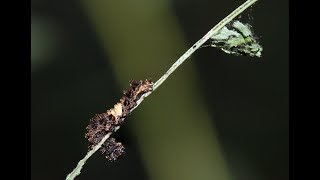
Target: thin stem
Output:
[
  {"x": 184, "y": 57},
  {"x": 205, "y": 38},
  {"x": 77, "y": 170},
  {"x": 197, "y": 45}
]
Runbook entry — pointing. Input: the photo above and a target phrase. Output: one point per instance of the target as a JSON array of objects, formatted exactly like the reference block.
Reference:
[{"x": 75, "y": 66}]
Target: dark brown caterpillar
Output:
[{"x": 102, "y": 124}]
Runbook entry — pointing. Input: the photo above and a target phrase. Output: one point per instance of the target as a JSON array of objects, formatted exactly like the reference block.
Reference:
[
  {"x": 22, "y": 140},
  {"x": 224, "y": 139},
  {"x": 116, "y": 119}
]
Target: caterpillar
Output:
[{"x": 104, "y": 123}]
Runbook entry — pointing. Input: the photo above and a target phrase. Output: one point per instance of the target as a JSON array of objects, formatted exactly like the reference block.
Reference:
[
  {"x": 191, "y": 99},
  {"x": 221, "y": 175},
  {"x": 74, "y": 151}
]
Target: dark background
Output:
[{"x": 73, "y": 78}]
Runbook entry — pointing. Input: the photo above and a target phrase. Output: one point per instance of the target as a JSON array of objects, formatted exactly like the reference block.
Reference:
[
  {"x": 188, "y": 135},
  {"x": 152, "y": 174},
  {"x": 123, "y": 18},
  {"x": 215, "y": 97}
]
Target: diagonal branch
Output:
[{"x": 184, "y": 57}]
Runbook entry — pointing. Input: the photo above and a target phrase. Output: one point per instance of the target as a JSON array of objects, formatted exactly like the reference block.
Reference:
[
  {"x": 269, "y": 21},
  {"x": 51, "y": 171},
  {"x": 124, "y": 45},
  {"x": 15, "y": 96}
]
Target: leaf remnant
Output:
[{"x": 238, "y": 40}]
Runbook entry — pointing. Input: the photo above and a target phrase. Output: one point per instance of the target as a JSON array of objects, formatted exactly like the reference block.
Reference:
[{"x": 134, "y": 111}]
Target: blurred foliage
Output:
[
  {"x": 217, "y": 117},
  {"x": 43, "y": 41}
]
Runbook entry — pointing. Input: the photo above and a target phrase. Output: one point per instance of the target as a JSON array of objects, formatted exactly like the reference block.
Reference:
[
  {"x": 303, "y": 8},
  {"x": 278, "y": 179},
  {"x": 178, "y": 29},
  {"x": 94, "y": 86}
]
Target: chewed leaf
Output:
[{"x": 238, "y": 40}]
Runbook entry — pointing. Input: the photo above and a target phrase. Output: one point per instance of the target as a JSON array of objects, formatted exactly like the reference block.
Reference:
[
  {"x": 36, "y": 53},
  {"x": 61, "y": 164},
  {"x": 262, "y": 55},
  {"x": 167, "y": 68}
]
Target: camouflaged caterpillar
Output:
[{"x": 104, "y": 123}]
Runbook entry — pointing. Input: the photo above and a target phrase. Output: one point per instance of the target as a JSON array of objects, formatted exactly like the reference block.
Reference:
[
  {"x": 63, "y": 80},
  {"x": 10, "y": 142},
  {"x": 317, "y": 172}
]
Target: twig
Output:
[
  {"x": 205, "y": 38},
  {"x": 77, "y": 170},
  {"x": 184, "y": 57}
]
